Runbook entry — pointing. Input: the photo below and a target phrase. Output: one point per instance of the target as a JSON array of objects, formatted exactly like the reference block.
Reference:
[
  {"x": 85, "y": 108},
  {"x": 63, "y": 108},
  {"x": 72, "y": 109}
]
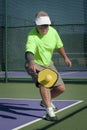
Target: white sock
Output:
[{"x": 49, "y": 109}]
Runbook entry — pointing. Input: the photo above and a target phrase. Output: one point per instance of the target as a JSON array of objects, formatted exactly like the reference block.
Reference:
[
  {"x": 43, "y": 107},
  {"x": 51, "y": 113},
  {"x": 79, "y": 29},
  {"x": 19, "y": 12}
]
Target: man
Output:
[{"x": 41, "y": 42}]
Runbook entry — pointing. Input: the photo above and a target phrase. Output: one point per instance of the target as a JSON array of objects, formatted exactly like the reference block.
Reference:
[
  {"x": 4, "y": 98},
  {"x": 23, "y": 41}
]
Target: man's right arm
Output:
[{"x": 29, "y": 56}]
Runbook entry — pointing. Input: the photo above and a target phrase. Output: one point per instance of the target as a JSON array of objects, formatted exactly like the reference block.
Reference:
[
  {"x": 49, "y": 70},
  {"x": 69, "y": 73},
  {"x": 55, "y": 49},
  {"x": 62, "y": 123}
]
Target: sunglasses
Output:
[{"x": 43, "y": 26}]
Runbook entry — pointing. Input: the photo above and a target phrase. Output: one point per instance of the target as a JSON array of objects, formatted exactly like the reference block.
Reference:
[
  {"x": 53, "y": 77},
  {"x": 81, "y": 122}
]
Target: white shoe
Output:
[{"x": 50, "y": 115}]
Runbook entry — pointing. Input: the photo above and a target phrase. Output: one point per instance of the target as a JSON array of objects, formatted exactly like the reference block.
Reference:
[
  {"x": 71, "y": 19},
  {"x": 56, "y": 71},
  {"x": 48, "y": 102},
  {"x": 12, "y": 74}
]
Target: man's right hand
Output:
[{"x": 32, "y": 66}]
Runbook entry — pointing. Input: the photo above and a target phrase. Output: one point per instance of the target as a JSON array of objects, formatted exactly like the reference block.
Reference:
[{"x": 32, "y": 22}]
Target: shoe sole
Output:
[{"x": 51, "y": 118}]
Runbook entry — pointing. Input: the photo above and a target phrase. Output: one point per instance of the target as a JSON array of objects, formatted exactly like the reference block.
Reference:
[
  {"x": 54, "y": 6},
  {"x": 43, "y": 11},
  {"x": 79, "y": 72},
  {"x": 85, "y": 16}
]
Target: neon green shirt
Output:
[{"x": 42, "y": 46}]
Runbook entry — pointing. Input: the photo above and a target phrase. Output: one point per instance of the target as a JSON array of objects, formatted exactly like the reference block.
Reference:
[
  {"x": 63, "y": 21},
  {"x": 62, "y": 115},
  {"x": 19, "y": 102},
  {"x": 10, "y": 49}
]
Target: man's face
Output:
[{"x": 43, "y": 29}]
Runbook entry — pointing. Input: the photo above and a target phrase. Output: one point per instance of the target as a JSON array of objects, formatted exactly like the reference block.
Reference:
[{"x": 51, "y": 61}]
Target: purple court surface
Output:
[
  {"x": 15, "y": 113},
  {"x": 71, "y": 74}
]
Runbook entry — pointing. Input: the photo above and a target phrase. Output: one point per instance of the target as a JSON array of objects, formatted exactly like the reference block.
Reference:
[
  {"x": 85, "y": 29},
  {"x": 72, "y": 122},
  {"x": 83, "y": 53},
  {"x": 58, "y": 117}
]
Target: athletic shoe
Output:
[
  {"x": 50, "y": 116},
  {"x": 52, "y": 105}
]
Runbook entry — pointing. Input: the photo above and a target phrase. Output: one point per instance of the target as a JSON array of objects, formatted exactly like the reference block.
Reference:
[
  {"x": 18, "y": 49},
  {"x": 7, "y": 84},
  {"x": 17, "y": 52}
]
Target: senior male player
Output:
[{"x": 41, "y": 42}]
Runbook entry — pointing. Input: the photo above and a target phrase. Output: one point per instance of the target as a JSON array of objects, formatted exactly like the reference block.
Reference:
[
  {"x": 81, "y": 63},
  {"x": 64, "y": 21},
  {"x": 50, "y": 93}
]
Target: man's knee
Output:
[{"x": 61, "y": 88}]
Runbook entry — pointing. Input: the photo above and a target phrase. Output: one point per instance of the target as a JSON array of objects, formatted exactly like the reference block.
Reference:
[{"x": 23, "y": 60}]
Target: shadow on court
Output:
[{"x": 12, "y": 109}]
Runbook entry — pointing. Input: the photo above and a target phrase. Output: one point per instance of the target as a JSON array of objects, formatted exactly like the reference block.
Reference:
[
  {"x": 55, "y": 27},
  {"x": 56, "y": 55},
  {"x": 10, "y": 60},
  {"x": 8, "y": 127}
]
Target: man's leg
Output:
[
  {"x": 57, "y": 90},
  {"x": 46, "y": 96}
]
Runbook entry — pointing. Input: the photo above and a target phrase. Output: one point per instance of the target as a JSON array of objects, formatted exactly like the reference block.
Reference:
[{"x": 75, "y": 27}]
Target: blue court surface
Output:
[{"x": 17, "y": 113}]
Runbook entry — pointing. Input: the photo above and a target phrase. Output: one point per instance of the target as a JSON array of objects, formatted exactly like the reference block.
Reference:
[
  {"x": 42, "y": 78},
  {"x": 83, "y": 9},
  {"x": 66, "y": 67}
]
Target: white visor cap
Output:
[{"x": 43, "y": 20}]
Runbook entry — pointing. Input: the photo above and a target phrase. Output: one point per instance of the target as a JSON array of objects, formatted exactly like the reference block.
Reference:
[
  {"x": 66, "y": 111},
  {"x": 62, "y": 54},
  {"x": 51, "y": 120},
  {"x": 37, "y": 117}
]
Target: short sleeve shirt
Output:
[{"x": 42, "y": 46}]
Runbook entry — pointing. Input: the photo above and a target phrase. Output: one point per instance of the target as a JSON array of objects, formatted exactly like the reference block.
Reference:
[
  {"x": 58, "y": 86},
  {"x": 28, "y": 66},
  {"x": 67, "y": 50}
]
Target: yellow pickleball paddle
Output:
[{"x": 47, "y": 77}]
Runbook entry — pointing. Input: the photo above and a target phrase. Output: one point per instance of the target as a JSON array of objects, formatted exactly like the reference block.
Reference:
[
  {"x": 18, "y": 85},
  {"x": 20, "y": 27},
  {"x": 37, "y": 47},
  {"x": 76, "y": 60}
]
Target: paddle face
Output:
[{"x": 47, "y": 77}]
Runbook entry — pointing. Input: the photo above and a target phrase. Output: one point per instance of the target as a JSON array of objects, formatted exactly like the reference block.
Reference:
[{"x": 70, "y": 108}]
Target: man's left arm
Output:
[{"x": 64, "y": 55}]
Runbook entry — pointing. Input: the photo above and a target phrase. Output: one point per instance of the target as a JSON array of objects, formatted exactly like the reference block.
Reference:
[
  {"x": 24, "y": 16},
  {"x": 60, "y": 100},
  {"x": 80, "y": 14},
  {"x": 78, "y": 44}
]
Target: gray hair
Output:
[{"x": 41, "y": 13}]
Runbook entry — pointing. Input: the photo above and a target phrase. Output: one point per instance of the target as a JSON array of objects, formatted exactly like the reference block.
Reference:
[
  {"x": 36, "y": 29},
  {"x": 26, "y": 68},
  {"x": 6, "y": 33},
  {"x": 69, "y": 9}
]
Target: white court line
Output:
[
  {"x": 66, "y": 73},
  {"x": 36, "y": 99},
  {"x": 29, "y": 123}
]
